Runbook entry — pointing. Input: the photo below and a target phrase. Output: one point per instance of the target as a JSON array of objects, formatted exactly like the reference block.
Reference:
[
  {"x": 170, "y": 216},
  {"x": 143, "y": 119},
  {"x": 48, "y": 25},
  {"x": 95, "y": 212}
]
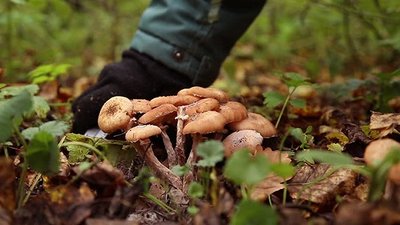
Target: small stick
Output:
[{"x": 180, "y": 137}]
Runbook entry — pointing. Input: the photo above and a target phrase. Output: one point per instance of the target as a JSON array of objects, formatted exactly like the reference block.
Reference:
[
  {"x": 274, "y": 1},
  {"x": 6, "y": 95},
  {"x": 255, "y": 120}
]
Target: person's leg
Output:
[{"x": 180, "y": 43}]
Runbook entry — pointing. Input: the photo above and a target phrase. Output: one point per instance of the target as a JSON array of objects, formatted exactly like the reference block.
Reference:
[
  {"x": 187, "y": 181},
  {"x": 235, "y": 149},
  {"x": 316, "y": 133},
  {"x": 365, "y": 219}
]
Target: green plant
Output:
[
  {"x": 273, "y": 99},
  {"x": 252, "y": 170},
  {"x": 39, "y": 144}
]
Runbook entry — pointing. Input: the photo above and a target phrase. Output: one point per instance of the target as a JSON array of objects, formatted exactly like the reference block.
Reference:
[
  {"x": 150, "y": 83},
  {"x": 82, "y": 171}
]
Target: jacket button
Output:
[{"x": 178, "y": 55}]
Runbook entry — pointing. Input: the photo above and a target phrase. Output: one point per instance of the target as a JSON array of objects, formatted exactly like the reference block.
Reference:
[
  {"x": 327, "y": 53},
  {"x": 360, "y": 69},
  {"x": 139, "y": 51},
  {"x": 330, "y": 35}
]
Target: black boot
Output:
[{"x": 135, "y": 76}]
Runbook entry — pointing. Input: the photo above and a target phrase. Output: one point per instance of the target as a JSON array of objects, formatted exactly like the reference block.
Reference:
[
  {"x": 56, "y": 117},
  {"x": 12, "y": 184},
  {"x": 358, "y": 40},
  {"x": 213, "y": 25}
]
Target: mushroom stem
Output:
[
  {"x": 180, "y": 137},
  {"x": 172, "y": 158},
  {"x": 145, "y": 149},
  {"x": 191, "y": 161}
]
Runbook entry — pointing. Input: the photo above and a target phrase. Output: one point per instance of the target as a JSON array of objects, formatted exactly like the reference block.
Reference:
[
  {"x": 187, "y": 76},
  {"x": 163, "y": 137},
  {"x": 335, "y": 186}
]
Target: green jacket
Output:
[{"x": 194, "y": 36}]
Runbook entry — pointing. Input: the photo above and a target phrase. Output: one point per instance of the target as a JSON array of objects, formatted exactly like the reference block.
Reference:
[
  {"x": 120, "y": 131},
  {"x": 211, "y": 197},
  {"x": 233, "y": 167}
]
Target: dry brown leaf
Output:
[
  {"x": 385, "y": 124},
  {"x": 7, "y": 190},
  {"x": 308, "y": 184},
  {"x": 92, "y": 221},
  {"x": 366, "y": 213},
  {"x": 271, "y": 183}
]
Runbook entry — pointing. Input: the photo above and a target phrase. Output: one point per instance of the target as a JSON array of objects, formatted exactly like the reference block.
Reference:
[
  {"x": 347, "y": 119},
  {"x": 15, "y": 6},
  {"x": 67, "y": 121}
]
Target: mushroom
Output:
[
  {"x": 248, "y": 139},
  {"x": 205, "y": 93},
  {"x": 115, "y": 114},
  {"x": 139, "y": 136},
  {"x": 140, "y": 105},
  {"x": 174, "y": 100},
  {"x": 203, "y": 105},
  {"x": 162, "y": 113},
  {"x": 203, "y": 123},
  {"x": 255, "y": 122},
  {"x": 233, "y": 111},
  {"x": 158, "y": 114},
  {"x": 377, "y": 151}
]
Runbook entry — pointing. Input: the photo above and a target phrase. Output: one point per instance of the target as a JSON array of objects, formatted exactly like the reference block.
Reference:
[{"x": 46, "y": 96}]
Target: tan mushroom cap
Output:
[
  {"x": 204, "y": 123},
  {"x": 377, "y": 150},
  {"x": 142, "y": 132},
  {"x": 140, "y": 105},
  {"x": 203, "y": 105},
  {"x": 233, "y": 111},
  {"x": 249, "y": 139},
  {"x": 158, "y": 114},
  {"x": 115, "y": 114},
  {"x": 173, "y": 99},
  {"x": 255, "y": 122},
  {"x": 205, "y": 93}
]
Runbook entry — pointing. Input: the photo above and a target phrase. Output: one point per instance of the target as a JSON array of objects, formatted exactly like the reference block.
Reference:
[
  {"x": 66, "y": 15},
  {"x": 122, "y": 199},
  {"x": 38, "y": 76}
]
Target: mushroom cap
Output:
[
  {"x": 377, "y": 150},
  {"x": 140, "y": 105},
  {"x": 394, "y": 174},
  {"x": 204, "y": 123},
  {"x": 115, "y": 114},
  {"x": 203, "y": 105},
  {"x": 158, "y": 114},
  {"x": 255, "y": 122},
  {"x": 233, "y": 111},
  {"x": 205, "y": 93},
  {"x": 249, "y": 139},
  {"x": 141, "y": 132},
  {"x": 173, "y": 99}
]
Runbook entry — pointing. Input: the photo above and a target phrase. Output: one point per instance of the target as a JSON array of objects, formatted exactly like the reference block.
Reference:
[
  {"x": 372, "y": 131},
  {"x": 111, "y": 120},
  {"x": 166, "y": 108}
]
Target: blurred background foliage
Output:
[{"x": 321, "y": 38}]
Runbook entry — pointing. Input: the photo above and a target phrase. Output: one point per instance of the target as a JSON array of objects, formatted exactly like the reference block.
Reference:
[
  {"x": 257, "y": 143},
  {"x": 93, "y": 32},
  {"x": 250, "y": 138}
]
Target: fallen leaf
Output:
[
  {"x": 272, "y": 182},
  {"x": 319, "y": 184},
  {"x": 384, "y": 124},
  {"x": 366, "y": 213},
  {"x": 92, "y": 221},
  {"x": 7, "y": 193}
]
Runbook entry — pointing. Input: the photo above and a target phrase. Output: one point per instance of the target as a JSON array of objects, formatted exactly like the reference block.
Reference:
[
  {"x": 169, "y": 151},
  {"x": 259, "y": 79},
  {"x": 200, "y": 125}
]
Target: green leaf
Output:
[
  {"x": 283, "y": 170},
  {"x": 2, "y": 85},
  {"x": 42, "y": 153},
  {"x": 56, "y": 128},
  {"x": 294, "y": 80},
  {"x": 196, "y": 190},
  {"x": 211, "y": 153},
  {"x": 192, "y": 210},
  {"x": 254, "y": 213},
  {"x": 16, "y": 90},
  {"x": 335, "y": 147},
  {"x": 298, "y": 134},
  {"x": 273, "y": 99},
  {"x": 77, "y": 153},
  {"x": 48, "y": 72},
  {"x": 242, "y": 168},
  {"x": 180, "y": 170},
  {"x": 40, "y": 106},
  {"x": 332, "y": 158},
  {"x": 10, "y": 110},
  {"x": 298, "y": 103}
]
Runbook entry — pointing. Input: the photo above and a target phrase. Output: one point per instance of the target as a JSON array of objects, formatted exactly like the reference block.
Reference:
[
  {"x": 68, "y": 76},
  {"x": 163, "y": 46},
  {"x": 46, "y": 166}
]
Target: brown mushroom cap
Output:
[
  {"x": 204, "y": 123},
  {"x": 377, "y": 150},
  {"x": 255, "y": 122},
  {"x": 158, "y": 114},
  {"x": 205, "y": 93},
  {"x": 249, "y": 139},
  {"x": 203, "y": 105},
  {"x": 141, "y": 132},
  {"x": 115, "y": 114},
  {"x": 233, "y": 111},
  {"x": 140, "y": 105},
  {"x": 174, "y": 100}
]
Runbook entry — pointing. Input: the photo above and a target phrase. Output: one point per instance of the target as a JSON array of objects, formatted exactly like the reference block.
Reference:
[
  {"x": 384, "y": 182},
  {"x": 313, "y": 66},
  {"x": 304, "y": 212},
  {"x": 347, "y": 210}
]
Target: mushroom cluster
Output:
[{"x": 193, "y": 113}]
